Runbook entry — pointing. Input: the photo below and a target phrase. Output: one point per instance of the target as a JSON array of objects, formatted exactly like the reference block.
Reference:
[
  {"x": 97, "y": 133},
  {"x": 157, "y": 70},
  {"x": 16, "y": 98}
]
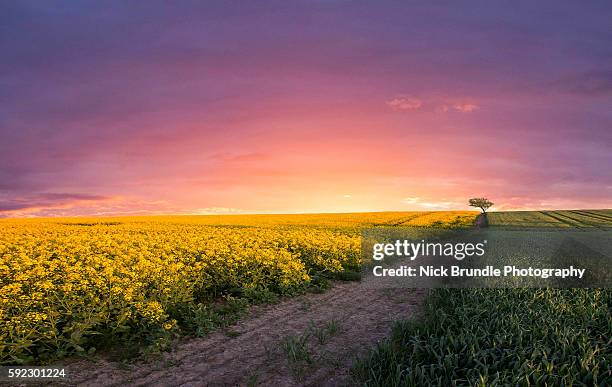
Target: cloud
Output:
[
  {"x": 47, "y": 200},
  {"x": 439, "y": 205},
  {"x": 465, "y": 108},
  {"x": 215, "y": 211},
  {"x": 76, "y": 205},
  {"x": 113, "y": 110},
  {"x": 432, "y": 205},
  {"x": 402, "y": 103},
  {"x": 440, "y": 105}
]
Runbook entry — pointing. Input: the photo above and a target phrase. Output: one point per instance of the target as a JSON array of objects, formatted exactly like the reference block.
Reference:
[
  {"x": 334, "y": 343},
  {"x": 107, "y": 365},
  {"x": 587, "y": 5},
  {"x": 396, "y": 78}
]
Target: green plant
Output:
[
  {"x": 323, "y": 333},
  {"x": 296, "y": 348},
  {"x": 499, "y": 337}
]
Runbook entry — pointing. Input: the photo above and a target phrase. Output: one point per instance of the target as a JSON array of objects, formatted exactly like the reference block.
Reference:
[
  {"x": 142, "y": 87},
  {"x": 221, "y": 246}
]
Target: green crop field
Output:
[
  {"x": 571, "y": 218},
  {"x": 542, "y": 337}
]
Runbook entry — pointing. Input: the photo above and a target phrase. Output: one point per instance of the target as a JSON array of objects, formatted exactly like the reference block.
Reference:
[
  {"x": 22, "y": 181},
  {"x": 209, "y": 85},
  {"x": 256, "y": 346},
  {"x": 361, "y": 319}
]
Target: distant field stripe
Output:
[
  {"x": 581, "y": 219},
  {"x": 594, "y": 213},
  {"x": 411, "y": 218},
  {"x": 599, "y": 220},
  {"x": 524, "y": 219},
  {"x": 599, "y": 215},
  {"x": 398, "y": 221},
  {"x": 564, "y": 215},
  {"x": 562, "y": 220}
]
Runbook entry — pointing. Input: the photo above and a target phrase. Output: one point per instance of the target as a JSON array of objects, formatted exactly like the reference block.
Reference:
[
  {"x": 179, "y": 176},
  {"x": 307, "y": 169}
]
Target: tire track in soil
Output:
[
  {"x": 589, "y": 222},
  {"x": 594, "y": 215},
  {"x": 409, "y": 219},
  {"x": 564, "y": 220},
  {"x": 364, "y": 317}
]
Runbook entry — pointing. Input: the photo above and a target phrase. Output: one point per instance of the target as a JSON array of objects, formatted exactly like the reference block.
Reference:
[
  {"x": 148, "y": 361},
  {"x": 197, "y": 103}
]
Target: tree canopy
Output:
[{"x": 482, "y": 203}]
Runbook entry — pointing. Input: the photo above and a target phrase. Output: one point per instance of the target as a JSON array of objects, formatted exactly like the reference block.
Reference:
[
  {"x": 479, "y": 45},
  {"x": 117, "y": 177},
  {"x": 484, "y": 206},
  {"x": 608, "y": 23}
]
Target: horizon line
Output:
[{"x": 291, "y": 213}]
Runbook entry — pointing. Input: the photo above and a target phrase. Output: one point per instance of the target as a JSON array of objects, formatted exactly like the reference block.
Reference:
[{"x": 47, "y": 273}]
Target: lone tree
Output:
[{"x": 482, "y": 203}]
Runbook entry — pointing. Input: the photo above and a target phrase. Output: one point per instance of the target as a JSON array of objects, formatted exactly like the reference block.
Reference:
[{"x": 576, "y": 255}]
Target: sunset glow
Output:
[{"x": 192, "y": 108}]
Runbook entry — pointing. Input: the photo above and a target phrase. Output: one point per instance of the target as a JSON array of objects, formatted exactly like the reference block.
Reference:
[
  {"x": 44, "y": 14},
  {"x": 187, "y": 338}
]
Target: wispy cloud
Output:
[
  {"x": 439, "y": 105},
  {"x": 46, "y": 200},
  {"x": 439, "y": 205},
  {"x": 405, "y": 103},
  {"x": 443, "y": 204},
  {"x": 465, "y": 107},
  {"x": 76, "y": 204},
  {"x": 215, "y": 211}
]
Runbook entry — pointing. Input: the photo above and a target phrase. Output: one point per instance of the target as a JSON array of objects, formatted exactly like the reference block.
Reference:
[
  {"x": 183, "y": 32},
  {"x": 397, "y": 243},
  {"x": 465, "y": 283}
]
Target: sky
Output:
[{"x": 158, "y": 107}]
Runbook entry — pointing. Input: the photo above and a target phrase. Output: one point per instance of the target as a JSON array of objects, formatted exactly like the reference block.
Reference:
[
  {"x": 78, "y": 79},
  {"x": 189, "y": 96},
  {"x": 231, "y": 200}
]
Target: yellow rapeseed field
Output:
[{"x": 68, "y": 284}]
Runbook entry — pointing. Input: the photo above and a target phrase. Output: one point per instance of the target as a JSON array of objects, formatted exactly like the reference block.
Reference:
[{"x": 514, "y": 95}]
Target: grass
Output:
[
  {"x": 296, "y": 348},
  {"x": 301, "y": 349},
  {"x": 541, "y": 337},
  {"x": 324, "y": 333}
]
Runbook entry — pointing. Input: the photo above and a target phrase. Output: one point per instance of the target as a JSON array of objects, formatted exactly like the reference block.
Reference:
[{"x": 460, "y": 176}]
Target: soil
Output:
[{"x": 309, "y": 340}]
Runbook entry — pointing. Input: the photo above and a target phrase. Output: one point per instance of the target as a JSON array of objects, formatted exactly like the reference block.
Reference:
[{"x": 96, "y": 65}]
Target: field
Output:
[
  {"x": 80, "y": 285},
  {"x": 563, "y": 219},
  {"x": 75, "y": 285},
  {"x": 504, "y": 336}
]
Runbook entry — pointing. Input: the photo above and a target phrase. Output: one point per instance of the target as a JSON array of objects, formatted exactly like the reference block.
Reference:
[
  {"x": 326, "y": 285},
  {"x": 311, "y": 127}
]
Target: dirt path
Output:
[
  {"x": 307, "y": 340},
  {"x": 481, "y": 221}
]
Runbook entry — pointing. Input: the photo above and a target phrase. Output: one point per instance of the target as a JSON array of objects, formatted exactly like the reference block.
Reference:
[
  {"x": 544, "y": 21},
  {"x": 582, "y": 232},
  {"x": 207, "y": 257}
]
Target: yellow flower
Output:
[
  {"x": 62, "y": 277},
  {"x": 169, "y": 325}
]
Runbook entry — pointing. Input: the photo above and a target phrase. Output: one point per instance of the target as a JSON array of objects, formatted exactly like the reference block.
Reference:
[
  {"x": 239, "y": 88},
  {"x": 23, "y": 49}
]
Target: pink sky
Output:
[{"x": 304, "y": 107}]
